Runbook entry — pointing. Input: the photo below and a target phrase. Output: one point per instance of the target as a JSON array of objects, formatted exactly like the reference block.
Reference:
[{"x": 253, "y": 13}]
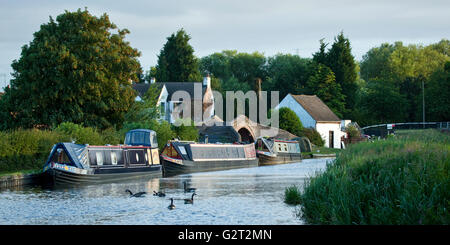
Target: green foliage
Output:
[
  {"x": 292, "y": 195},
  {"x": 74, "y": 70},
  {"x": 322, "y": 83},
  {"x": 79, "y": 134},
  {"x": 340, "y": 60},
  {"x": 384, "y": 102},
  {"x": 286, "y": 73},
  {"x": 184, "y": 132},
  {"x": 146, "y": 109},
  {"x": 352, "y": 131},
  {"x": 289, "y": 121},
  {"x": 313, "y": 136},
  {"x": 401, "y": 180},
  {"x": 163, "y": 130},
  {"x": 437, "y": 95},
  {"x": 176, "y": 61}
]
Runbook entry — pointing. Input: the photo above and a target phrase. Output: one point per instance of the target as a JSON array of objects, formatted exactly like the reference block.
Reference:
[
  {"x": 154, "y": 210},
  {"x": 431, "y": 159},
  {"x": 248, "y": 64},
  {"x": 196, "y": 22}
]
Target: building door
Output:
[{"x": 331, "y": 139}]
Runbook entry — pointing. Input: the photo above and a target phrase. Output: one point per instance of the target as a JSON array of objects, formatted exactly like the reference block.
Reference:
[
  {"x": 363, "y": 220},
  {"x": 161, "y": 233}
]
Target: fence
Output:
[{"x": 383, "y": 130}]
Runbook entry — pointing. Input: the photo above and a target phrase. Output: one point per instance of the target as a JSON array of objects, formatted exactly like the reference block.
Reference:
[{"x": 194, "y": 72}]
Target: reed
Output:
[
  {"x": 292, "y": 195},
  {"x": 400, "y": 180}
]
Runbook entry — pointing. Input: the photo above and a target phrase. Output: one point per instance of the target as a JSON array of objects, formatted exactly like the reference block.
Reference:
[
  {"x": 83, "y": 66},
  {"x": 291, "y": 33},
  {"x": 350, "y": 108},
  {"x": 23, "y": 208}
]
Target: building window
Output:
[{"x": 162, "y": 109}]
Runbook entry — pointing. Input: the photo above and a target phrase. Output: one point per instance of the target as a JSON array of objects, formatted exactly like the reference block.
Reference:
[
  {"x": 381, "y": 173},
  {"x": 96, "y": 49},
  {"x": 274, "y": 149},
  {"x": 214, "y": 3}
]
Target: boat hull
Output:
[
  {"x": 58, "y": 177},
  {"x": 171, "y": 168},
  {"x": 265, "y": 160}
]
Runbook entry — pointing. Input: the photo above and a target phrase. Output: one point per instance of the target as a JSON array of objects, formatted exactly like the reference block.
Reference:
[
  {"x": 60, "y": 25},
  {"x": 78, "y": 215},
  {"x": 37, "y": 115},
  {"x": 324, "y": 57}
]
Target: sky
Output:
[{"x": 267, "y": 26}]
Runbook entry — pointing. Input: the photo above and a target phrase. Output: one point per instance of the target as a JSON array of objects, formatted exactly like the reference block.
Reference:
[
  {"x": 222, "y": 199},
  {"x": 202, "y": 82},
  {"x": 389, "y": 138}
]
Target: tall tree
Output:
[
  {"x": 342, "y": 63},
  {"x": 322, "y": 83},
  {"x": 74, "y": 70},
  {"x": 287, "y": 74},
  {"x": 176, "y": 61}
]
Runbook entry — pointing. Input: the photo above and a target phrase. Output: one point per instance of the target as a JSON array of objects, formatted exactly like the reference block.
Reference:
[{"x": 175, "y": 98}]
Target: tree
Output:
[
  {"x": 383, "y": 103},
  {"x": 286, "y": 73},
  {"x": 176, "y": 61},
  {"x": 289, "y": 121},
  {"x": 74, "y": 70},
  {"x": 342, "y": 63},
  {"x": 437, "y": 95},
  {"x": 322, "y": 83},
  {"x": 375, "y": 63}
]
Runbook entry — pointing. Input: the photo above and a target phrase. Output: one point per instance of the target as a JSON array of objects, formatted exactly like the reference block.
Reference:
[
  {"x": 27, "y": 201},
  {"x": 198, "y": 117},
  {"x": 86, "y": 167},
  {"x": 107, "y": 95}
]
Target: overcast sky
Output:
[{"x": 268, "y": 26}]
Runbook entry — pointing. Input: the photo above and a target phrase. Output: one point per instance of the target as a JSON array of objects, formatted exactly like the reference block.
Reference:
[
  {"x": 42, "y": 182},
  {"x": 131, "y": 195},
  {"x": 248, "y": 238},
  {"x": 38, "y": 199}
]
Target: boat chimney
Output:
[
  {"x": 207, "y": 81},
  {"x": 206, "y": 139}
]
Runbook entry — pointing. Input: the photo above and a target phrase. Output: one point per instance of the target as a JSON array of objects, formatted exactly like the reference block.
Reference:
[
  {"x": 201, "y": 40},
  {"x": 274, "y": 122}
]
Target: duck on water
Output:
[
  {"x": 191, "y": 200},
  {"x": 139, "y": 194}
]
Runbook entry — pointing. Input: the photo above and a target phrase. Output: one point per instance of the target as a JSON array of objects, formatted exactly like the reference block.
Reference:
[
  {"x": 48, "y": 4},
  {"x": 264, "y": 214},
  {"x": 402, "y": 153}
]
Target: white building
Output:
[
  {"x": 313, "y": 113},
  {"x": 200, "y": 94}
]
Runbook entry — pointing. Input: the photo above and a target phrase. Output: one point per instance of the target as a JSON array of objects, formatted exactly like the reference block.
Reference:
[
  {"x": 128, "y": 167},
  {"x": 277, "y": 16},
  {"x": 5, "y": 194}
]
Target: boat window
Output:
[
  {"x": 285, "y": 147},
  {"x": 113, "y": 158},
  {"x": 182, "y": 150},
  {"x": 279, "y": 147},
  {"x": 137, "y": 157},
  {"x": 99, "y": 158}
]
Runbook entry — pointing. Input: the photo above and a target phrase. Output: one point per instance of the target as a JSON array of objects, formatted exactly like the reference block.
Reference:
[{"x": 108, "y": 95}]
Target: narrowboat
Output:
[
  {"x": 276, "y": 151},
  {"x": 179, "y": 157},
  {"x": 71, "y": 163}
]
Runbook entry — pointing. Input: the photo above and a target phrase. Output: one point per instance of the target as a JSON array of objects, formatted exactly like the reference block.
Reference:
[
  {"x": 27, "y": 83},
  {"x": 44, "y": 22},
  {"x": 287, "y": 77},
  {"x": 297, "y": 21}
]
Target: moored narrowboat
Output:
[
  {"x": 179, "y": 157},
  {"x": 276, "y": 151},
  {"x": 71, "y": 163}
]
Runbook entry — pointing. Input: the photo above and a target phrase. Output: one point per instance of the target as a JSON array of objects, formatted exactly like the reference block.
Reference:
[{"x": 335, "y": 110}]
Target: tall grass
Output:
[{"x": 401, "y": 180}]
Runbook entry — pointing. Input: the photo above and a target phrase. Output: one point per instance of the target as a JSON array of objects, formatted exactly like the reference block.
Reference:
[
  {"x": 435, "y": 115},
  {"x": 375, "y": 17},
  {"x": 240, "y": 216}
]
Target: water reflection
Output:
[{"x": 238, "y": 196}]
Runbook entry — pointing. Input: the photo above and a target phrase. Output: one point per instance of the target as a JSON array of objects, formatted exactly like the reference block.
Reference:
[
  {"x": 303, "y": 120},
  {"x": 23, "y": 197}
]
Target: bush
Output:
[
  {"x": 289, "y": 121},
  {"x": 183, "y": 132},
  {"x": 402, "y": 180},
  {"x": 26, "y": 149},
  {"x": 163, "y": 130},
  {"x": 80, "y": 134},
  {"x": 313, "y": 136},
  {"x": 292, "y": 195},
  {"x": 352, "y": 131}
]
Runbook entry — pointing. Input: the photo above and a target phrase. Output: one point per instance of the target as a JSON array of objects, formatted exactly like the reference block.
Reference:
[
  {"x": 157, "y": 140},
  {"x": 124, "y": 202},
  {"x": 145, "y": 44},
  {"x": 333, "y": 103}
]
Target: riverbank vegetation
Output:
[{"x": 401, "y": 180}]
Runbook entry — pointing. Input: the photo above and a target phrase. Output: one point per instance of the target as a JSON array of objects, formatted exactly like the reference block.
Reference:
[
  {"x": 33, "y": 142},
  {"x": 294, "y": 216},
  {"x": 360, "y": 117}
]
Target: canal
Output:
[{"x": 251, "y": 196}]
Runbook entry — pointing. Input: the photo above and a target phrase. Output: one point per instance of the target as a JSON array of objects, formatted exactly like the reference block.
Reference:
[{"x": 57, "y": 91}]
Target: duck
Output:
[
  {"x": 160, "y": 194},
  {"x": 188, "y": 189},
  {"x": 139, "y": 194},
  {"x": 190, "y": 201},
  {"x": 171, "y": 206}
]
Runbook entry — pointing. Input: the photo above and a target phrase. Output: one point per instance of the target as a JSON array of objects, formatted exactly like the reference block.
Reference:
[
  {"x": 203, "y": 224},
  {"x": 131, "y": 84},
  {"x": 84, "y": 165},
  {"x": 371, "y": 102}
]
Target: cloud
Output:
[{"x": 265, "y": 26}]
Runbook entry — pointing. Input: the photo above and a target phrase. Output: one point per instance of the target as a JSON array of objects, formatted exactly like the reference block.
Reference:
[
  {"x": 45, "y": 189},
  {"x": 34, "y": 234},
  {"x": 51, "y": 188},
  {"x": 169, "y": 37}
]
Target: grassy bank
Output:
[
  {"x": 321, "y": 150},
  {"x": 401, "y": 180}
]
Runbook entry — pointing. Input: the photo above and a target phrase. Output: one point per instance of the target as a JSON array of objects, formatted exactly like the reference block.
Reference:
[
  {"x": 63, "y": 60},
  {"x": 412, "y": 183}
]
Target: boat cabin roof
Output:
[{"x": 144, "y": 137}]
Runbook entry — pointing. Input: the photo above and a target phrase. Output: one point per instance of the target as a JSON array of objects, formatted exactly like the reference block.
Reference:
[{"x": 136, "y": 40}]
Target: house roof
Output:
[
  {"x": 316, "y": 108},
  {"x": 171, "y": 87}
]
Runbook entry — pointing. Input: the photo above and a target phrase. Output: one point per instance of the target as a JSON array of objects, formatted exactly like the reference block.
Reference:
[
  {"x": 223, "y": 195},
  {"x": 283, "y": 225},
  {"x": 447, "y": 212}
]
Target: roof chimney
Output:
[
  {"x": 152, "y": 80},
  {"x": 207, "y": 81}
]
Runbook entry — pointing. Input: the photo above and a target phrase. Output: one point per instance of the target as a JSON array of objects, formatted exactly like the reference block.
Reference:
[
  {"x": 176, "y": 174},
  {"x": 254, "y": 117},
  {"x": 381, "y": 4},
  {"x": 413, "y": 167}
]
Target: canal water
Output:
[{"x": 250, "y": 196}]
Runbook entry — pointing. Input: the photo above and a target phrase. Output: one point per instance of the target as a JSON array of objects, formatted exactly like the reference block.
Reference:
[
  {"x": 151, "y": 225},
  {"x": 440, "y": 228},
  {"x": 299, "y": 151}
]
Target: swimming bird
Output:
[
  {"x": 171, "y": 206},
  {"x": 160, "y": 194},
  {"x": 190, "y": 201},
  {"x": 188, "y": 189},
  {"x": 139, "y": 194}
]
